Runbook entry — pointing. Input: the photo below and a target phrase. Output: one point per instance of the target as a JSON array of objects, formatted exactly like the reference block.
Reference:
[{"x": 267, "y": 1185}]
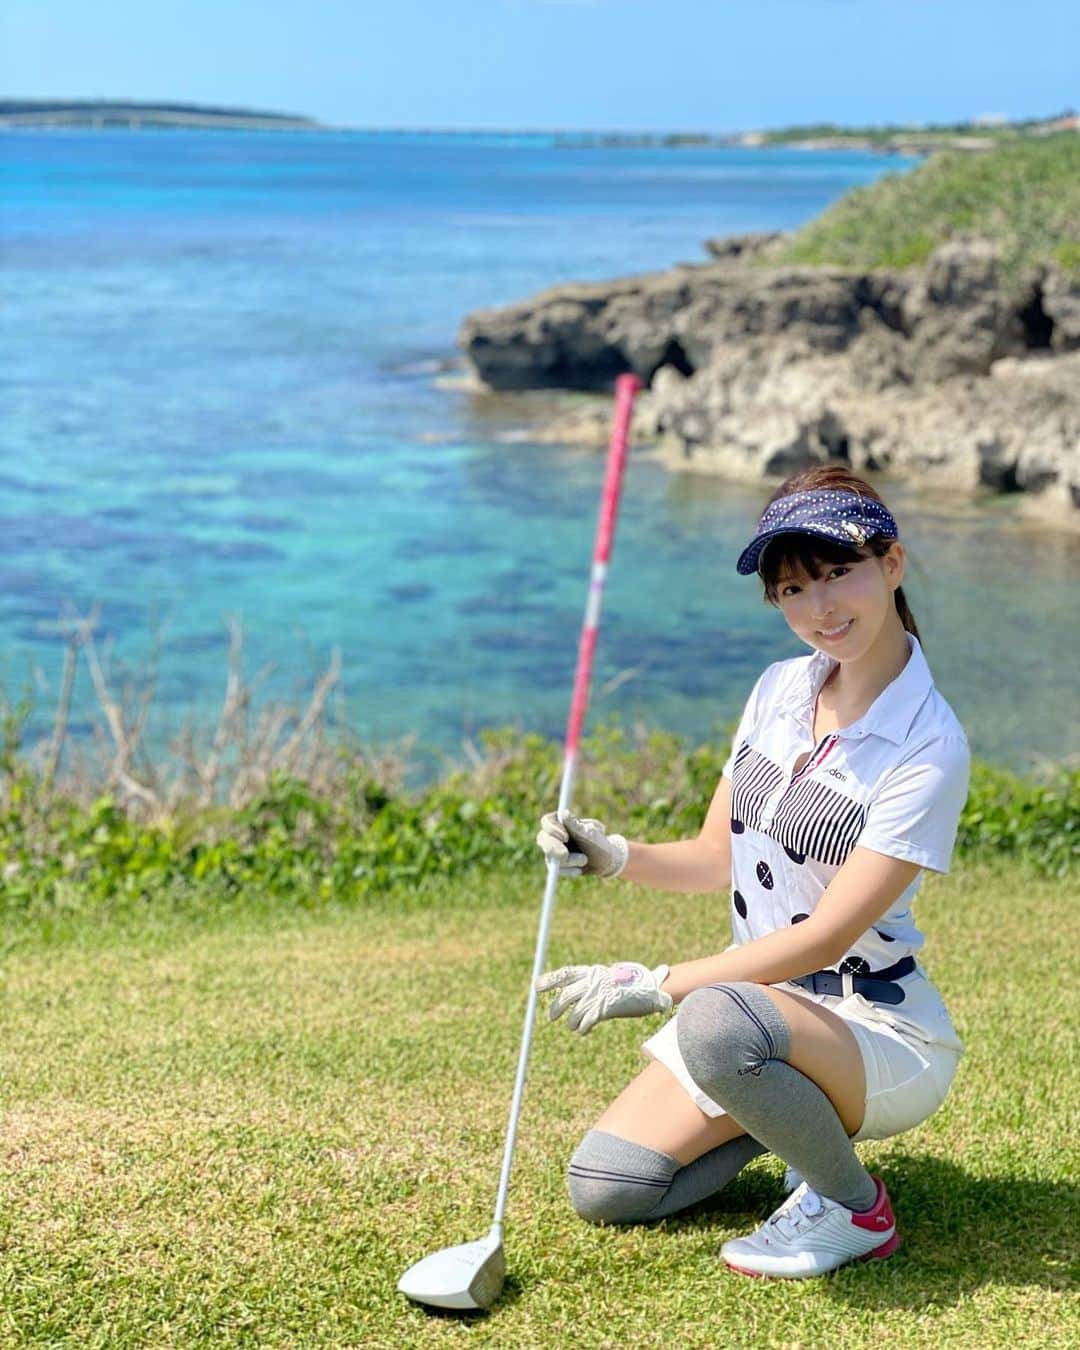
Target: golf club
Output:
[{"x": 470, "y": 1276}]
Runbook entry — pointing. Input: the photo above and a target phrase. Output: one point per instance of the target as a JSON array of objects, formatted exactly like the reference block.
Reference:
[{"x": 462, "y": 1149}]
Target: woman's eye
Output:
[{"x": 840, "y": 571}]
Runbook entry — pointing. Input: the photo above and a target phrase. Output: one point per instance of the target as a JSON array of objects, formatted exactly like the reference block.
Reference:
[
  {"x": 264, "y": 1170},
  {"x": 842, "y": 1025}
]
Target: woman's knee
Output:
[
  {"x": 726, "y": 1029},
  {"x": 612, "y": 1180}
]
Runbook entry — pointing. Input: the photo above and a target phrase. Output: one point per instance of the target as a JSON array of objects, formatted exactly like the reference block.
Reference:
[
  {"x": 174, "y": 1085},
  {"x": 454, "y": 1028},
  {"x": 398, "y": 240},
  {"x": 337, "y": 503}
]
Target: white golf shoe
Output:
[{"x": 810, "y": 1235}]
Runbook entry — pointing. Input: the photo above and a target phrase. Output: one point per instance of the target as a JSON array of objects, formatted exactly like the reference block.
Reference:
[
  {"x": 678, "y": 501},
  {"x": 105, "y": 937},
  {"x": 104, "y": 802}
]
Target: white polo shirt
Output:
[{"x": 895, "y": 781}]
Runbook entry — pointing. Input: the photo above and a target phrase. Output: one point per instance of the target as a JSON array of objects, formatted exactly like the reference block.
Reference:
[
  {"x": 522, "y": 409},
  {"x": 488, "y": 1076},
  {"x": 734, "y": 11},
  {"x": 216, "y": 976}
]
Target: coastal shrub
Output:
[
  {"x": 1067, "y": 256},
  {"x": 896, "y": 135},
  {"x": 304, "y": 846},
  {"x": 1024, "y": 196},
  {"x": 1039, "y": 822}
]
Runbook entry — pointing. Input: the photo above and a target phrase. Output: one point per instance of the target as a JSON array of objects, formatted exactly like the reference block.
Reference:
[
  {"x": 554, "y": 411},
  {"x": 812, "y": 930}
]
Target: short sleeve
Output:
[
  {"x": 916, "y": 807},
  {"x": 747, "y": 722}
]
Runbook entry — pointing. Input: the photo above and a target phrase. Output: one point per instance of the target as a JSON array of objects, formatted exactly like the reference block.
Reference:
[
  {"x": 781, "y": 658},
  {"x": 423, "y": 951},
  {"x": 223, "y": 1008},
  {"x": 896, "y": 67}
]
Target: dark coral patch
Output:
[
  {"x": 798, "y": 918},
  {"x": 737, "y": 826},
  {"x": 795, "y": 857},
  {"x": 884, "y": 936},
  {"x": 764, "y": 875},
  {"x": 740, "y": 904}
]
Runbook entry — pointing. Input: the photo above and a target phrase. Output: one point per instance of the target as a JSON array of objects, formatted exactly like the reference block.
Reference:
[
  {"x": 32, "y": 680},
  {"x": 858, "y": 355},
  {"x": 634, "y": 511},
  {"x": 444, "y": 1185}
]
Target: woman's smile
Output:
[{"x": 835, "y": 634}]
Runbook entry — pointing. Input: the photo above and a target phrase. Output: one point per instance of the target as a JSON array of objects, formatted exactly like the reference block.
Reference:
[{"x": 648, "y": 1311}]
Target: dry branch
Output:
[{"x": 247, "y": 745}]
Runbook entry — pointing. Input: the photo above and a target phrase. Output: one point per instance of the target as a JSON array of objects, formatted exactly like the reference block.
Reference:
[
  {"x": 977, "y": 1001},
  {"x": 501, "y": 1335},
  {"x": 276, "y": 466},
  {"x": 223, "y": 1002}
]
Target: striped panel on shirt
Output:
[
  {"x": 816, "y": 820},
  {"x": 753, "y": 781}
]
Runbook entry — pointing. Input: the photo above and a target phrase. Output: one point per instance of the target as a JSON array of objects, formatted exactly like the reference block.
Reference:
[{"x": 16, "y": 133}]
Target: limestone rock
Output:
[
  {"x": 946, "y": 373},
  {"x": 743, "y": 247},
  {"x": 957, "y": 315},
  {"x": 1061, "y": 304},
  {"x": 581, "y": 337},
  {"x": 757, "y": 415}
]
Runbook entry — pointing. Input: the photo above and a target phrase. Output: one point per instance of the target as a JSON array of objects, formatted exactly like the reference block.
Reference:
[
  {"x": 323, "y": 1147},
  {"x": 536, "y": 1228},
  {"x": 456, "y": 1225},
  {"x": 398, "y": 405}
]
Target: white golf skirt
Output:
[{"x": 910, "y": 1054}]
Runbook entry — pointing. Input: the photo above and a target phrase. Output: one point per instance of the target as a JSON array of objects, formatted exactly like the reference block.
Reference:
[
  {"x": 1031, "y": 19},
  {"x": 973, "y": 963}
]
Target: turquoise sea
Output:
[{"x": 223, "y": 393}]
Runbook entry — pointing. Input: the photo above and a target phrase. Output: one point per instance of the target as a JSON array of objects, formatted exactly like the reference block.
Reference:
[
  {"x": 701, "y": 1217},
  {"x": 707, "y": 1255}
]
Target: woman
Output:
[{"x": 817, "y": 1026}]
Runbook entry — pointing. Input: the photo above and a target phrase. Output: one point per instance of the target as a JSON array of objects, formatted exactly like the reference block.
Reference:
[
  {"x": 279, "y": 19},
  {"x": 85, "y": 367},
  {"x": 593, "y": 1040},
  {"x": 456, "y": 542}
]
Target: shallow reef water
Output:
[{"x": 225, "y": 394}]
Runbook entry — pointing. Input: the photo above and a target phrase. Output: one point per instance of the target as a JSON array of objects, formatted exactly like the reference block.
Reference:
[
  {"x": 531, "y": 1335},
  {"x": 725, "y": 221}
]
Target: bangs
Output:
[{"x": 794, "y": 553}]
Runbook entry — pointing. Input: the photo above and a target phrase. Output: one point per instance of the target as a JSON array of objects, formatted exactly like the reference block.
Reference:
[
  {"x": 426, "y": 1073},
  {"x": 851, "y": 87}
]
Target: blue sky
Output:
[{"x": 698, "y": 64}]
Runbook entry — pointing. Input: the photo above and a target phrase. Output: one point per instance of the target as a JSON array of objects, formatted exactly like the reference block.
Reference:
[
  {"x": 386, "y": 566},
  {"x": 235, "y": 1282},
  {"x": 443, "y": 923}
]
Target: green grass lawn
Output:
[{"x": 240, "y": 1132}]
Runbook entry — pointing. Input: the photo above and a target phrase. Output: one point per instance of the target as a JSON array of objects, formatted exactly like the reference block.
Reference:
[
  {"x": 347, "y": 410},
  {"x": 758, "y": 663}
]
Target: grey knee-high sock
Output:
[
  {"x": 708, "y": 1174},
  {"x": 612, "y": 1180},
  {"x": 736, "y": 1045}
]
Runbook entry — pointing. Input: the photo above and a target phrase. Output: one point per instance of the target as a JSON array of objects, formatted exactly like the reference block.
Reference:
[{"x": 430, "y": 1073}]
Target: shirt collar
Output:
[{"x": 891, "y": 713}]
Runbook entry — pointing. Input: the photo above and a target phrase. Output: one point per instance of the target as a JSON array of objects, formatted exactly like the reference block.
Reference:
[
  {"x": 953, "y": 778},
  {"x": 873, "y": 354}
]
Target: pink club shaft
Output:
[{"x": 626, "y": 388}]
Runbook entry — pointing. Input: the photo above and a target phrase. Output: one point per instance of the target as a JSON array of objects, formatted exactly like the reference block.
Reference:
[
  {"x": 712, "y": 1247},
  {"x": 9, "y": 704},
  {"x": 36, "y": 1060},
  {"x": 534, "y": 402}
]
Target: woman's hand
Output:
[
  {"x": 596, "y": 993},
  {"x": 581, "y": 847}
]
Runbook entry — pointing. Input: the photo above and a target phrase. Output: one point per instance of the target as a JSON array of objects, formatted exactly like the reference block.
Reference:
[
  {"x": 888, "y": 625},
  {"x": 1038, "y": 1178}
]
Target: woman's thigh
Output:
[
  {"x": 824, "y": 1048},
  {"x": 655, "y": 1110}
]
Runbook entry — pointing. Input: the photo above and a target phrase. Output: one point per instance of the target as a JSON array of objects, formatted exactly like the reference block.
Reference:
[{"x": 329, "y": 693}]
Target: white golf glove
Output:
[
  {"x": 591, "y": 852},
  {"x": 595, "y": 993}
]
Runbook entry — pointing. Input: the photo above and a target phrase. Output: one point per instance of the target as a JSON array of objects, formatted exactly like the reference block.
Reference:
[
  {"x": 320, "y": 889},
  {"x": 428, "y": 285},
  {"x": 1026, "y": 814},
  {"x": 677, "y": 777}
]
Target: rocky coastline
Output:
[{"x": 952, "y": 375}]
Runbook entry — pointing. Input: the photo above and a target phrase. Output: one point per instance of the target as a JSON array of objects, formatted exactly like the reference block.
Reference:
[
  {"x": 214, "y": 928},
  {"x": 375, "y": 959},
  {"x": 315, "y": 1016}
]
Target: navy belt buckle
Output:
[{"x": 831, "y": 983}]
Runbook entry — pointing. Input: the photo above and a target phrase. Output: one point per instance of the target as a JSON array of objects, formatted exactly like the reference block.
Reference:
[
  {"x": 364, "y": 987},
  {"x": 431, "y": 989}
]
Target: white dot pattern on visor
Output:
[{"x": 833, "y": 513}]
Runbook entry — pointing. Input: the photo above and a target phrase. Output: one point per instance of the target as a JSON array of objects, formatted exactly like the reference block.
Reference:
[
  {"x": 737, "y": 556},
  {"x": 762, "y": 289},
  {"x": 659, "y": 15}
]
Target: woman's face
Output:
[{"x": 843, "y": 610}]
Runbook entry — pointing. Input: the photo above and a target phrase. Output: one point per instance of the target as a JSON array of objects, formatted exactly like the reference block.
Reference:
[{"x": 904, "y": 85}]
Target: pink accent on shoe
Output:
[
  {"x": 878, "y": 1254},
  {"x": 757, "y": 1274},
  {"x": 881, "y": 1216},
  {"x": 886, "y": 1249}
]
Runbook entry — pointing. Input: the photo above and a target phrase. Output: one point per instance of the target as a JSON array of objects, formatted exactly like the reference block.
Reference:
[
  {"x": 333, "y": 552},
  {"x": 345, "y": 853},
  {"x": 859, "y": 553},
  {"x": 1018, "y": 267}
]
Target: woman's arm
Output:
[
  {"x": 862, "y": 891},
  {"x": 701, "y": 864}
]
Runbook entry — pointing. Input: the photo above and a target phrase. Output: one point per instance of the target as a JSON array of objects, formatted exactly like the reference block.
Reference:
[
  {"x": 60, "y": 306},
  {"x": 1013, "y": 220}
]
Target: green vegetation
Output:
[
  {"x": 240, "y": 1134},
  {"x": 258, "y": 1056},
  {"x": 897, "y": 138},
  {"x": 357, "y": 835},
  {"x": 931, "y": 135},
  {"x": 1024, "y": 196}
]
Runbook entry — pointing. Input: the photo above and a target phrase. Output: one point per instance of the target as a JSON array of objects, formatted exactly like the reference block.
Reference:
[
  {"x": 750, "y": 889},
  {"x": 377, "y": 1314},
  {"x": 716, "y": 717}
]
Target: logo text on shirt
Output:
[{"x": 835, "y": 773}]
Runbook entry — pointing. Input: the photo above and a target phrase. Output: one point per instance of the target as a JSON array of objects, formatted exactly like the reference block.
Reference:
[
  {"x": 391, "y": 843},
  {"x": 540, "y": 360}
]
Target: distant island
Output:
[
  {"x": 127, "y": 115},
  {"x": 984, "y": 133},
  {"x": 981, "y": 133}
]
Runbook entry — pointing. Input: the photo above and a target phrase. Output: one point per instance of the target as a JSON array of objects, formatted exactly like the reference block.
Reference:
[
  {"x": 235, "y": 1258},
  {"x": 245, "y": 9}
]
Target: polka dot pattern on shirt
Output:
[
  {"x": 856, "y": 790},
  {"x": 855, "y": 965}
]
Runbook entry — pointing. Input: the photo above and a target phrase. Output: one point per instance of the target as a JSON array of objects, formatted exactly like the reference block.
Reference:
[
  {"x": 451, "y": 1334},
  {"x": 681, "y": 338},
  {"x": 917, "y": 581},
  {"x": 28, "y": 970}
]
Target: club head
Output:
[{"x": 465, "y": 1278}]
